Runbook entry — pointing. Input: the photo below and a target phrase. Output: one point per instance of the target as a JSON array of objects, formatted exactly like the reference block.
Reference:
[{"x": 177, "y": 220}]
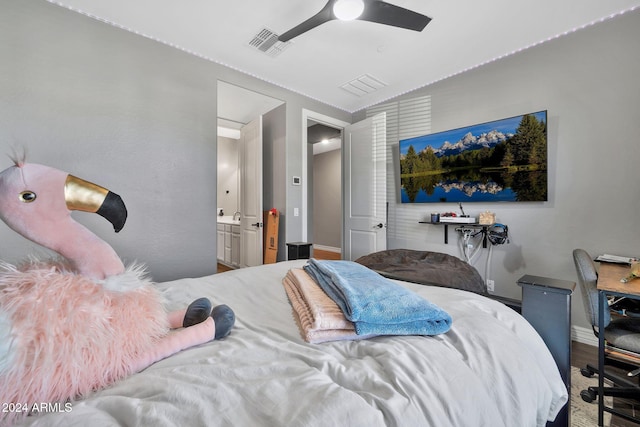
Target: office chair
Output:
[{"x": 621, "y": 334}]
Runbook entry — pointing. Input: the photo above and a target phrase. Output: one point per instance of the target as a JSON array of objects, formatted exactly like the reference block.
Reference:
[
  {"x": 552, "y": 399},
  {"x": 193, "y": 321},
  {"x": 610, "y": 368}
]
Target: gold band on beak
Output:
[{"x": 82, "y": 195}]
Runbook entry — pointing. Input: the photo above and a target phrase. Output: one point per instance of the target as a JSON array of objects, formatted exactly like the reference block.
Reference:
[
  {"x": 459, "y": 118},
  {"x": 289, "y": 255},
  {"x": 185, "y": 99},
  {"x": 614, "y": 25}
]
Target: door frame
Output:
[{"x": 325, "y": 120}]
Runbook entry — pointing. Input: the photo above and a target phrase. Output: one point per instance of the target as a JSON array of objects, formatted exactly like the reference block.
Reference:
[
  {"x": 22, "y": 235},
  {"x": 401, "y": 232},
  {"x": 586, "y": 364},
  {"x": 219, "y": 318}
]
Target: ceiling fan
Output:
[{"x": 365, "y": 10}]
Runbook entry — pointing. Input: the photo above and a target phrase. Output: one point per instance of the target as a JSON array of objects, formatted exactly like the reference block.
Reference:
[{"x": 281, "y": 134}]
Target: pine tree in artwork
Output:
[
  {"x": 410, "y": 162},
  {"x": 529, "y": 141},
  {"x": 429, "y": 160}
]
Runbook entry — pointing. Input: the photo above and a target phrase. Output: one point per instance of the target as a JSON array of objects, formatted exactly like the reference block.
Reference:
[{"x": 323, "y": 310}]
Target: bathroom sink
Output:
[{"x": 227, "y": 219}]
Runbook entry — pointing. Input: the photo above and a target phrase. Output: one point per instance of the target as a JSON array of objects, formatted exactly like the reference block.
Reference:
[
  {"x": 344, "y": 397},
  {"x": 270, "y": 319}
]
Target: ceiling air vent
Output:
[
  {"x": 267, "y": 41},
  {"x": 363, "y": 85}
]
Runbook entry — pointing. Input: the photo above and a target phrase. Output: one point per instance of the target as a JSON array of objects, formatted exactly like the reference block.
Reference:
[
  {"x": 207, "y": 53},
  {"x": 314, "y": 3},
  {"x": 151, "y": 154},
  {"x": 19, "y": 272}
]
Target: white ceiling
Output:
[
  {"x": 327, "y": 145},
  {"x": 462, "y": 35},
  {"x": 238, "y": 106}
]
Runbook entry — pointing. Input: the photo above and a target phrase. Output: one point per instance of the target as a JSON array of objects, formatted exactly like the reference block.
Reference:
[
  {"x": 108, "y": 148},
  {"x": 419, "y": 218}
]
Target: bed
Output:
[{"x": 490, "y": 369}]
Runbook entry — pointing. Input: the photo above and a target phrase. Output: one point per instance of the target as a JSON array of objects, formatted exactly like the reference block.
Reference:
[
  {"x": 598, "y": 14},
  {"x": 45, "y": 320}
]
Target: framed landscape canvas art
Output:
[{"x": 499, "y": 161}]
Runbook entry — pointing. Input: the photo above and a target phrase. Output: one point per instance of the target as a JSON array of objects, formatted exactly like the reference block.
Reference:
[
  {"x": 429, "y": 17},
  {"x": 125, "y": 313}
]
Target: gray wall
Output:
[
  {"x": 108, "y": 107},
  {"x": 327, "y": 206},
  {"x": 133, "y": 115},
  {"x": 588, "y": 82},
  {"x": 274, "y": 176}
]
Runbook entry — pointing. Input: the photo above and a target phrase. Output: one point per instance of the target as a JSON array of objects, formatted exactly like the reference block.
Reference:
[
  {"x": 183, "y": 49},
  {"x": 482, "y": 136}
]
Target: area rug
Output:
[{"x": 585, "y": 414}]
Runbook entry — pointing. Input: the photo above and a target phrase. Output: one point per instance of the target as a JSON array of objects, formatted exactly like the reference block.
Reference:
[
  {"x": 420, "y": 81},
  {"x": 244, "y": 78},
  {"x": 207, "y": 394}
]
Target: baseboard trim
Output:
[
  {"x": 583, "y": 335},
  {"x": 327, "y": 248}
]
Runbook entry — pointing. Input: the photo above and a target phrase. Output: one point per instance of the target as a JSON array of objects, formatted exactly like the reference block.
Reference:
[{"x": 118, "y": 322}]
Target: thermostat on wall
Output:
[{"x": 296, "y": 180}]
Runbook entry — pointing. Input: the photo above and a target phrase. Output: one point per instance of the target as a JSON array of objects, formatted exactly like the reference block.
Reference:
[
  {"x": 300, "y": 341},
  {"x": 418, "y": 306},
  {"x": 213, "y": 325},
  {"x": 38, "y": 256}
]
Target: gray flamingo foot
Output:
[
  {"x": 224, "y": 318},
  {"x": 197, "y": 312}
]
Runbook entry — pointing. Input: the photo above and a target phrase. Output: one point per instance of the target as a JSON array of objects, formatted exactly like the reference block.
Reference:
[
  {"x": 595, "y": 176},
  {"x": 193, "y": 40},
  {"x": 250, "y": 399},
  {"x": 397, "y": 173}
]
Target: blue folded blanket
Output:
[{"x": 376, "y": 305}]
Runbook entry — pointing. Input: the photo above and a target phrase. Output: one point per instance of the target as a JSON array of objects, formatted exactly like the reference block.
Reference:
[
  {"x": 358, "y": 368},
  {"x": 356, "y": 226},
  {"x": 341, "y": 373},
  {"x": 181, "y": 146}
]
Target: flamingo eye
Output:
[{"x": 27, "y": 196}]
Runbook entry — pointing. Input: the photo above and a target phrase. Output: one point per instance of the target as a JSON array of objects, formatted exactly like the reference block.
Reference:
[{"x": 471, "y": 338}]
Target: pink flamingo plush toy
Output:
[{"x": 73, "y": 325}]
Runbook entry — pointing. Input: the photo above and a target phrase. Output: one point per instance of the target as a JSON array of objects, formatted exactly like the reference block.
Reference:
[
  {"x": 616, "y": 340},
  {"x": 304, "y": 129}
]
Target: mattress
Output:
[{"x": 490, "y": 369}]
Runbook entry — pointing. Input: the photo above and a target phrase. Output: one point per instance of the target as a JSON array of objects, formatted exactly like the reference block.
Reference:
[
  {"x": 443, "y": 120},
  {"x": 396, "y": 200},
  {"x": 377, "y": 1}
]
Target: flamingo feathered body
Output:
[{"x": 74, "y": 324}]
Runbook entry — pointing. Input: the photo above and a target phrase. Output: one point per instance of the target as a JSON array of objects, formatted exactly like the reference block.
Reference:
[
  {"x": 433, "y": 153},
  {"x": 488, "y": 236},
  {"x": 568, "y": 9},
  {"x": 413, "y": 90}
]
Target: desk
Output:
[{"x": 609, "y": 276}]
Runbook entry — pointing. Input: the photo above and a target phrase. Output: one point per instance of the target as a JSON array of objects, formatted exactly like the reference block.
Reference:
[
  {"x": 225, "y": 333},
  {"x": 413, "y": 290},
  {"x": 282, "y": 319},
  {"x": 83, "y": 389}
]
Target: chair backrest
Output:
[{"x": 587, "y": 280}]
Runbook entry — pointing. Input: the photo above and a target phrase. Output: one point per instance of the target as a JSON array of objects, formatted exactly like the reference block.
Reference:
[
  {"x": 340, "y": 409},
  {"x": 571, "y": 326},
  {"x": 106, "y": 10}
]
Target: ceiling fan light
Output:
[{"x": 348, "y": 10}]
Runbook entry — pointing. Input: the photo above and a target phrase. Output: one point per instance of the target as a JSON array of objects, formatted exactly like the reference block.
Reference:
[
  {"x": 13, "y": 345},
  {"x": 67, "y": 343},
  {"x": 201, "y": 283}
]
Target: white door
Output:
[
  {"x": 251, "y": 194},
  {"x": 365, "y": 192}
]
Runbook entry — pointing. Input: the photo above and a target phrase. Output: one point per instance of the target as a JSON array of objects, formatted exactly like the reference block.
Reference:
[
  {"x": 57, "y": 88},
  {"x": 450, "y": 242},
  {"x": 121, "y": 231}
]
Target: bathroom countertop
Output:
[{"x": 228, "y": 219}]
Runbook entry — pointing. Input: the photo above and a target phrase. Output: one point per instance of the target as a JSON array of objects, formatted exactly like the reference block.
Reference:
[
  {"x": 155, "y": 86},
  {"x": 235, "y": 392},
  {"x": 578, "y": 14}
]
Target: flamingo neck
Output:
[{"x": 90, "y": 255}]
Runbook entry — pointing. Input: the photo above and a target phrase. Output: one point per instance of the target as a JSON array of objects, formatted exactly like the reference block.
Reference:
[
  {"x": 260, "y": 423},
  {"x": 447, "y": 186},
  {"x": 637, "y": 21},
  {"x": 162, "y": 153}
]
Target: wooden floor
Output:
[
  {"x": 317, "y": 254},
  {"x": 581, "y": 354},
  {"x": 320, "y": 254},
  {"x": 223, "y": 267}
]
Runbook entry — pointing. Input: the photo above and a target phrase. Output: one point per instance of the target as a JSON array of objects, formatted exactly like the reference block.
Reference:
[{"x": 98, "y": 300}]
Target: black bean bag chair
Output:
[{"x": 427, "y": 268}]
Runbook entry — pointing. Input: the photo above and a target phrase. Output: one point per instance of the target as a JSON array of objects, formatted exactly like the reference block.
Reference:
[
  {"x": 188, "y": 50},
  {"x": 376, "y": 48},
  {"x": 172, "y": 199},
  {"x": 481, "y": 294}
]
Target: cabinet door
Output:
[
  {"x": 220, "y": 244},
  {"x": 227, "y": 244},
  {"x": 235, "y": 246}
]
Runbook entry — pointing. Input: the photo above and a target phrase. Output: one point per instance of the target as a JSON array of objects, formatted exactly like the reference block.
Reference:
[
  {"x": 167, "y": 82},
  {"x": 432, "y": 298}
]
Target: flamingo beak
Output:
[{"x": 85, "y": 196}]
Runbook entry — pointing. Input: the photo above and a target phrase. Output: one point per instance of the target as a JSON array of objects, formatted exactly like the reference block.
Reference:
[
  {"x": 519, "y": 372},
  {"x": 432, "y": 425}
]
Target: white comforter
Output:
[{"x": 491, "y": 369}]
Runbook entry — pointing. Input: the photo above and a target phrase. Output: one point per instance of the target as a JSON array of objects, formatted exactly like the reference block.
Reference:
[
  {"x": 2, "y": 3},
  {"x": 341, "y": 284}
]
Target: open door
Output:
[
  {"x": 251, "y": 194},
  {"x": 365, "y": 192}
]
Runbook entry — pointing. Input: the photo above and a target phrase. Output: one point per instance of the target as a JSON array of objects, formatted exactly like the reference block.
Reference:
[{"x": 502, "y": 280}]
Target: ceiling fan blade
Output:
[
  {"x": 325, "y": 15},
  {"x": 390, "y": 14}
]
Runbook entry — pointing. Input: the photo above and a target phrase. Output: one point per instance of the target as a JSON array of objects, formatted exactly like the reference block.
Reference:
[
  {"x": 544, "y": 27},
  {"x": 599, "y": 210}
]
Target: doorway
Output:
[
  {"x": 364, "y": 174},
  {"x": 332, "y": 125},
  {"x": 325, "y": 200},
  {"x": 310, "y": 118},
  {"x": 238, "y": 111}
]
